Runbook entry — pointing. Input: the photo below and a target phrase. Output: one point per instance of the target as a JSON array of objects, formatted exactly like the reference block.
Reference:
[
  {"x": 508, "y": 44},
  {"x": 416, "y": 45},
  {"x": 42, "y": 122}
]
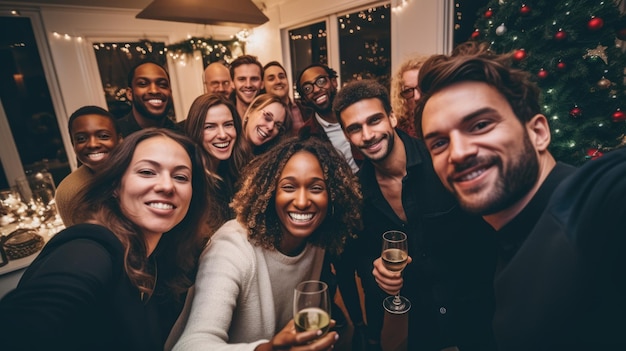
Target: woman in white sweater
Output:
[{"x": 298, "y": 202}]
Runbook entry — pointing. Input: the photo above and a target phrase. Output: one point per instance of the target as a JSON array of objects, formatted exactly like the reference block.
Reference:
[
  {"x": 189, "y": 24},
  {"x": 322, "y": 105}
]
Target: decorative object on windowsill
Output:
[
  {"x": 21, "y": 243},
  {"x": 214, "y": 12}
]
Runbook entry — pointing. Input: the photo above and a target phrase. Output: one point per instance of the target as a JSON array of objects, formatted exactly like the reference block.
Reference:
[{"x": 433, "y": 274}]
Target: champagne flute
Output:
[
  {"x": 394, "y": 256},
  {"x": 311, "y": 306}
]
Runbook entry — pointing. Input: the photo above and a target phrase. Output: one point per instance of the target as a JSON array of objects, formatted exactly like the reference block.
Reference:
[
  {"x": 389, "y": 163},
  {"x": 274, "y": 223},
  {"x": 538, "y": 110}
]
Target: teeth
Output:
[
  {"x": 262, "y": 133},
  {"x": 96, "y": 155},
  {"x": 155, "y": 102},
  {"x": 301, "y": 217},
  {"x": 472, "y": 175},
  {"x": 221, "y": 145},
  {"x": 321, "y": 99},
  {"x": 160, "y": 206}
]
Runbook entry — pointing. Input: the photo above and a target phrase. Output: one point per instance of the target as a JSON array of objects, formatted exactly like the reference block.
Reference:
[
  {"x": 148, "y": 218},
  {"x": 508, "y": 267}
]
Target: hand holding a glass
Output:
[
  {"x": 311, "y": 320},
  {"x": 388, "y": 270}
]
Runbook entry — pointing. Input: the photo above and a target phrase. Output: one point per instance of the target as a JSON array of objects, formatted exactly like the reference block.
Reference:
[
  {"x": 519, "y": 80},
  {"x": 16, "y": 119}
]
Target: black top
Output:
[
  {"x": 564, "y": 288},
  {"x": 76, "y": 296},
  {"x": 129, "y": 125},
  {"x": 450, "y": 279}
]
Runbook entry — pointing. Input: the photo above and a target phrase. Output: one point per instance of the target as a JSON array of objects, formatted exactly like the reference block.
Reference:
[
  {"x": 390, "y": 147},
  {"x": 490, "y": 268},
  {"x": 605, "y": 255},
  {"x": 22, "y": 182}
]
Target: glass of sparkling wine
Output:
[
  {"x": 394, "y": 255},
  {"x": 311, "y": 306}
]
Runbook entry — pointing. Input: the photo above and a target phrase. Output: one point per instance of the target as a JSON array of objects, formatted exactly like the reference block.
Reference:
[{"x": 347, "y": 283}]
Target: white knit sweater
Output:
[{"x": 243, "y": 294}]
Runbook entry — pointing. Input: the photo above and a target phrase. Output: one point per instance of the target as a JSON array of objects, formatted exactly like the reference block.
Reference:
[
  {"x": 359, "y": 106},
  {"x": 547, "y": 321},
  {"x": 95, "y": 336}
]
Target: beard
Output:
[
  {"x": 390, "y": 137},
  {"x": 141, "y": 108},
  {"x": 512, "y": 185},
  {"x": 322, "y": 111}
]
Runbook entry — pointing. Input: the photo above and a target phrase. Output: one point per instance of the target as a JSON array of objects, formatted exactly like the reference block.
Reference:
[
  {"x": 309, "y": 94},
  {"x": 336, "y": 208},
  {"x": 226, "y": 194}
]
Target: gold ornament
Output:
[
  {"x": 604, "y": 83},
  {"x": 599, "y": 51}
]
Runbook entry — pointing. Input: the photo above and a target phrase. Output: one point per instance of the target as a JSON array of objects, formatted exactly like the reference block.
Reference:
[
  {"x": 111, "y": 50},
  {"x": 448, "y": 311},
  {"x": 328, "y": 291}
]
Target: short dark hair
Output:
[
  {"x": 245, "y": 60},
  {"x": 92, "y": 110},
  {"x": 358, "y": 90},
  {"x": 272, "y": 64},
  {"x": 473, "y": 61},
  {"x": 131, "y": 73},
  {"x": 329, "y": 71}
]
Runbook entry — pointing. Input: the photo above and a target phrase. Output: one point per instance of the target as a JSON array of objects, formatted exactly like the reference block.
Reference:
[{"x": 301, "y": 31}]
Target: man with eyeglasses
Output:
[
  {"x": 217, "y": 79},
  {"x": 317, "y": 86}
]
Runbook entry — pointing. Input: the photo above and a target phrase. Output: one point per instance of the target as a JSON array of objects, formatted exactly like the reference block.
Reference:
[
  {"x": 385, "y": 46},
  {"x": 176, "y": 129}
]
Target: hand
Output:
[
  {"x": 390, "y": 282},
  {"x": 289, "y": 339}
]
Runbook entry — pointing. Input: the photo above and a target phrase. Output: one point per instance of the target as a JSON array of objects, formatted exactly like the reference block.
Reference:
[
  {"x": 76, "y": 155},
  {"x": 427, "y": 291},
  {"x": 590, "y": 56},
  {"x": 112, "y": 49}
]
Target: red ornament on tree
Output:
[
  {"x": 576, "y": 112},
  {"x": 475, "y": 34},
  {"x": 560, "y": 35},
  {"x": 595, "y": 23},
  {"x": 618, "y": 116},
  {"x": 561, "y": 66},
  {"x": 489, "y": 13},
  {"x": 542, "y": 74},
  {"x": 594, "y": 154},
  {"x": 525, "y": 10},
  {"x": 519, "y": 55}
]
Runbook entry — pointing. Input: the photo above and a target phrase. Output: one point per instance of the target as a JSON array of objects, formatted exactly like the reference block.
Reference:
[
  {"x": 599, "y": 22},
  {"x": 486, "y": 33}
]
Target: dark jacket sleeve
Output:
[{"x": 67, "y": 280}]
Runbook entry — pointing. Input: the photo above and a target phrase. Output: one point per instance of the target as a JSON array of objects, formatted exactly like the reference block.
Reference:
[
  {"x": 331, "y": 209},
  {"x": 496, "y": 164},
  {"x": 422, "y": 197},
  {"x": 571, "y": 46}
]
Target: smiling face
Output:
[
  {"x": 150, "y": 92},
  {"x": 275, "y": 81},
  {"x": 264, "y": 124},
  {"x": 93, "y": 136},
  {"x": 155, "y": 190},
  {"x": 247, "y": 81},
  {"x": 219, "y": 133},
  {"x": 480, "y": 150},
  {"x": 368, "y": 127},
  {"x": 320, "y": 98},
  {"x": 301, "y": 199}
]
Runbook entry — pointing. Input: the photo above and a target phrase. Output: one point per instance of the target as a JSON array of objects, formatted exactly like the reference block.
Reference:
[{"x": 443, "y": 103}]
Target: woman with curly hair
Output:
[
  {"x": 213, "y": 123},
  {"x": 298, "y": 202},
  {"x": 265, "y": 123},
  {"x": 404, "y": 93},
  {"x": 118, "y": 280}
]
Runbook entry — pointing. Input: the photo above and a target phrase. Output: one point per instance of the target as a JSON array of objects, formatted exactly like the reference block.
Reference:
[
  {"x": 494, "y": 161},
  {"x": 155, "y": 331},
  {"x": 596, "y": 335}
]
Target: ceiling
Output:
[{"x": 123, "y": 4}]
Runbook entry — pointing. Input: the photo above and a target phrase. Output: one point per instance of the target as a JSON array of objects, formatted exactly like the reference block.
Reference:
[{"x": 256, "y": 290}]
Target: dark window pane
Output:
[
  {"x": 27, "y": 102},
  {"x": 365, "y": 45},
  {"x": 115, "y": 61},
  {"x": 307, "y": 45}
]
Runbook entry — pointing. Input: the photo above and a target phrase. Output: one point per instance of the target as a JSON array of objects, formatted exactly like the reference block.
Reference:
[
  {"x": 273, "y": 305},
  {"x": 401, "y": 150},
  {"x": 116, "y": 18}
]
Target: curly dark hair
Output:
[
  {"x": 97, "y": 201},
  {"x": 254, "y": 202},
  {"x": 474, "y": 61}
]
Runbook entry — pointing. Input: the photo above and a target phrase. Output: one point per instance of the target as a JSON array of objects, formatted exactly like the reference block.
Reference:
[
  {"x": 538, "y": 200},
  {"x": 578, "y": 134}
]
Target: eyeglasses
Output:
[
  {"x": 320, "y": 82},
  {"x": 216, "y": 84},
  {"x": 409, "y": 92}
]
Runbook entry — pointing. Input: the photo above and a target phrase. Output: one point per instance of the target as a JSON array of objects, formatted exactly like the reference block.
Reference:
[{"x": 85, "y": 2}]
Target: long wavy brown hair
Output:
[
  {"x": 404, "y": 115},
  {"x": 254, "y": 203},
  {"x": 97, "y": 201}
]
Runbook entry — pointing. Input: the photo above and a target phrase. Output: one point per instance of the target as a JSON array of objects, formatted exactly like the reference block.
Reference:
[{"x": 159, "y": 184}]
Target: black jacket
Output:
[{"x": 450, "y": 279}]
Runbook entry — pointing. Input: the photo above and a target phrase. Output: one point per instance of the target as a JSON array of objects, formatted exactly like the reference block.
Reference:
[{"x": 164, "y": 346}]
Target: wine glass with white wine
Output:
[
  {"x": 311, "y": 306},
  {"x": 394, "y": 256}
]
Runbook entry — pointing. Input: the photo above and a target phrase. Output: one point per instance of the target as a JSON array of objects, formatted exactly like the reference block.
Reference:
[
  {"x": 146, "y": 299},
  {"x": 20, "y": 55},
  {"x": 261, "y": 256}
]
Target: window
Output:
[
  {"x": 115, "y": 59},
  {"x": 365, "y": 45},
  {"x": 364, "y": 38},
  {"x": 307, "y": 45}
]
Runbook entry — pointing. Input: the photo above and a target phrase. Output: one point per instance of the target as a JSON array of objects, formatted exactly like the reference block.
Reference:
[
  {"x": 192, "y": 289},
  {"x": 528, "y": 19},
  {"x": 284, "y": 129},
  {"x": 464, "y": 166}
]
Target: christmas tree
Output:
[{"x": 573, "y": 50}]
